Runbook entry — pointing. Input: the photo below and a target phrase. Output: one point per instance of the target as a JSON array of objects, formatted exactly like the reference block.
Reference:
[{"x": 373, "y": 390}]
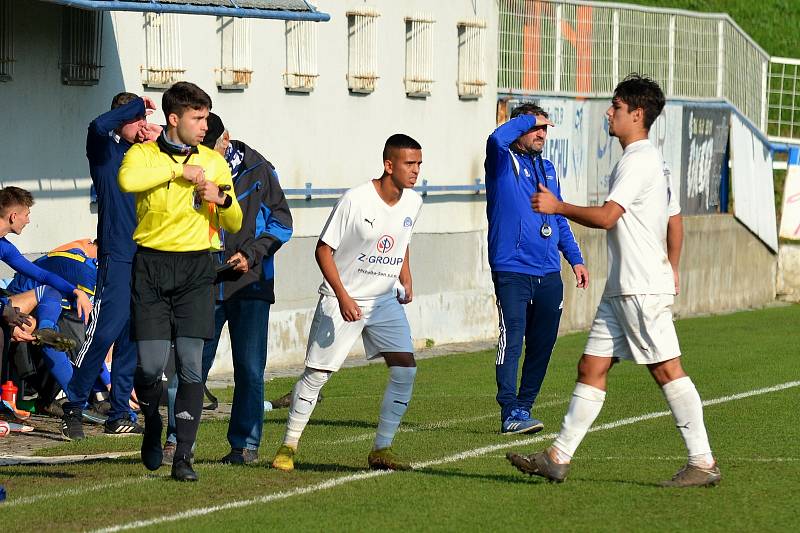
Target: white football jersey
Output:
[{"x": 370, "y": 239}]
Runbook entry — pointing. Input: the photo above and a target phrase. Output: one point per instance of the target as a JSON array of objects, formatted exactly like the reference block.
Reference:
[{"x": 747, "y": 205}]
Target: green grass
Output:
[
  {"x": 771, "y": 23},
  {"x": 612, "y": 486}
]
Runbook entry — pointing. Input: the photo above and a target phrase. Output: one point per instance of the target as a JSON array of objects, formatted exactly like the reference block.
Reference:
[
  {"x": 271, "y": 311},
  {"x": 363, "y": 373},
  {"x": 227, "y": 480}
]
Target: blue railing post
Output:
[{"x": 794, "y": 155}]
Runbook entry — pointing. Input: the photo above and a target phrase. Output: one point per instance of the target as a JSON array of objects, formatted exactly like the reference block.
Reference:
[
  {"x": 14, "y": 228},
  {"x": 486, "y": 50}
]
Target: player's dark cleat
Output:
[
  {"x": 168, "y": 453},
  {"x": 285, "y": 401},
  {"x": 72, "y": 424},
  {"x": 240, "y": 456},
  {"x": 386, "y": 459},
  {"x": 694, "y": 476},
  {"x": 52, "y": 409},
  {"x": 284, "y": 458},
  {"x": 539, "y": 464},
  {"x": 520, "y": 421},
  {"x": 182, "y": 470},
  {"x": 122, "y": 427},
  {"x": 102, "y": 407},
  {"x": 51, "y": 337}
]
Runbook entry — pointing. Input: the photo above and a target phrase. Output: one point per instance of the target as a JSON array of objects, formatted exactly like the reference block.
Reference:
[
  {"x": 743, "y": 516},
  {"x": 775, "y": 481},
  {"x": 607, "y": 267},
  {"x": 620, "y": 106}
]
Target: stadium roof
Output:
[{"x": 265, "y": 9}]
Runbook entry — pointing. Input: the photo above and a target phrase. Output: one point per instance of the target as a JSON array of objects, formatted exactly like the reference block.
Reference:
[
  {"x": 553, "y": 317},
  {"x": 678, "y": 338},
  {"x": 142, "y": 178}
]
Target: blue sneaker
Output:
[{"x": 520, "y": 421}]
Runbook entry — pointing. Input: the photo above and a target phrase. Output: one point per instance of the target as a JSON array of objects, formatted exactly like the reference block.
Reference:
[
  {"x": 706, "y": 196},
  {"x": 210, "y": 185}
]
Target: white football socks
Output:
[
  {"x": 304, "y": 398},
  {"x": 395, "y": 404},
  {"x": 586, "y": 403},
  {"x": 687, "y": 409}
]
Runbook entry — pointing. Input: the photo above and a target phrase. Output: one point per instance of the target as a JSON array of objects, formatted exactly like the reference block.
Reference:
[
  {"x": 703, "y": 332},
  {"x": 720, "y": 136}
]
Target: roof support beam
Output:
[{"x": 192, "y": 9}]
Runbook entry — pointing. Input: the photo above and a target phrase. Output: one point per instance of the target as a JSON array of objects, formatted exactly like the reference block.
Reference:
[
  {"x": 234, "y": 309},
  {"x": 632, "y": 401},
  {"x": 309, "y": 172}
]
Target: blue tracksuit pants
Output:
[
  {"x": 109, "y": 324},
  {"x": 529, "y": 309}
]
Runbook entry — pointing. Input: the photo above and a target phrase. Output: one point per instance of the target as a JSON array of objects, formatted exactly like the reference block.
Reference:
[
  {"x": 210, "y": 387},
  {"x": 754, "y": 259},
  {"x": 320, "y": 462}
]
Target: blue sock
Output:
[
  {"x": 59, "y": 365},
  {"x": 49, "y": 309}
]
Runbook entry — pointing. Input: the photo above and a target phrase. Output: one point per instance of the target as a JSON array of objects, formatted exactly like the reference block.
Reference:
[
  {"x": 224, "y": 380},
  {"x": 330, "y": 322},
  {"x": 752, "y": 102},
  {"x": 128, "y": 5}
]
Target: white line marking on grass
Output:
[
  {"x": 726, "y": 459},
  {"x": 191, "y": 513},
  {"x": 12, "y": 460},
  {"x": 335, "y": 482},
  {"x": 438, "y": 424},
  {"x": 77, "y": 491}
]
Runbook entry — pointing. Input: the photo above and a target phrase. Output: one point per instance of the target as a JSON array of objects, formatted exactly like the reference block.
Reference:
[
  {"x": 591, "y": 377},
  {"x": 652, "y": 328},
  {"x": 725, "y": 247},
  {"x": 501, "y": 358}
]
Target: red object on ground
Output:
[{"x": 9, "y": 392}]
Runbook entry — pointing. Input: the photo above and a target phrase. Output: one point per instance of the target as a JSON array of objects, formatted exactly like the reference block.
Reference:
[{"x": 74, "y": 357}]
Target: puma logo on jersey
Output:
[{"x": 368, "y": 221}]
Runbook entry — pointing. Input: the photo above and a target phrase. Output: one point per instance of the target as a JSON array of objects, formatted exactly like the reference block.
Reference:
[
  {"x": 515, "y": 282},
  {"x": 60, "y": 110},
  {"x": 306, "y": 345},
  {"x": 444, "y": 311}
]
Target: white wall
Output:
[{"x": 328, "y": 137}]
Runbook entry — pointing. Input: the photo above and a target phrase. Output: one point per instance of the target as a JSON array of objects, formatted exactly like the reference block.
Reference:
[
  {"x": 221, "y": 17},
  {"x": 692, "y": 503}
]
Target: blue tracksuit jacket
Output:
[
  {"x": 116, "y": 216},
  {"x": 515, "y": 242}
]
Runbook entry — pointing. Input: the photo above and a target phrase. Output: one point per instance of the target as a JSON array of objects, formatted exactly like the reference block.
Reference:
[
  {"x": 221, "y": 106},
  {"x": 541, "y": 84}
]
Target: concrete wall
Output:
[{"x": 789, "y": 273}]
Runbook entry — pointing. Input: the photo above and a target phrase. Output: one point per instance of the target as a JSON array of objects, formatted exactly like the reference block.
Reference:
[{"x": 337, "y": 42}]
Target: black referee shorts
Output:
[{"x": 172, "y": 295}]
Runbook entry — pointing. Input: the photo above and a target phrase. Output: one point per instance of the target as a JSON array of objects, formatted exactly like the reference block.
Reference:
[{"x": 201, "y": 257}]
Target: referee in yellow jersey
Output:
[{"x": 180, "y": 189}]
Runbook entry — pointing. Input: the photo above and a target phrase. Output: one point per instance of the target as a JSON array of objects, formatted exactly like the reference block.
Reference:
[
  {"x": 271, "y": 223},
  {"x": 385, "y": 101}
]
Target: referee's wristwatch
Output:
[{"x": 228, "y": 198}]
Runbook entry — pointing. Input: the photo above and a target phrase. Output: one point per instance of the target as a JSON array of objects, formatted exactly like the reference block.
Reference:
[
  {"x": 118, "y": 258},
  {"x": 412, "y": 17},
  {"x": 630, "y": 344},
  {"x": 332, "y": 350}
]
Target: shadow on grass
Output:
[
  {"x": 326, "y": 467},
  {"x": 531, "y": 480},
  {"x": 504, "y": 478},
  {"x": 16, "y": 472},
  {"x": 328, "y": 423}
]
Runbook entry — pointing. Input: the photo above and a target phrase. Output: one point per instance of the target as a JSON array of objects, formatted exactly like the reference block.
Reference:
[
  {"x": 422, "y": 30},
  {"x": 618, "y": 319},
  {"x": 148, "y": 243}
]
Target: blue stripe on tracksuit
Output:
[
  {"x": 109, "y": 324},
  {"x": 529, "y": 307}
]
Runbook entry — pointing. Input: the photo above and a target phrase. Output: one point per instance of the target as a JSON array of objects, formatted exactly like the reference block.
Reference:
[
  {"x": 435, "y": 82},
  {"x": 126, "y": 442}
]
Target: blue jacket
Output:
[
  {"x": 266, "y": 226},
  {"x": 515, "y": 241},
  {"x": 116, "y": 210}
]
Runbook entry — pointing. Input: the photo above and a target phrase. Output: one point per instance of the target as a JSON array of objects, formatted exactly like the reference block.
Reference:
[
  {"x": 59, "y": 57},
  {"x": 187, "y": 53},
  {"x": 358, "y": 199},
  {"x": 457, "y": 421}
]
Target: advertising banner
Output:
[
  {"x": 790, "y": 213},
  {"x": 705, "y": 138},
  {"x": 753, "y": 190},
  {"x": 566, "y": 145}
]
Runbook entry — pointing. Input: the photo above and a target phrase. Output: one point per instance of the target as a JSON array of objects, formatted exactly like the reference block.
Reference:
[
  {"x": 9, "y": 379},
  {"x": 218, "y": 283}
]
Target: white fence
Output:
[
  {"x": 577, "y": 48},
  {"x": 783, "y": 119}
]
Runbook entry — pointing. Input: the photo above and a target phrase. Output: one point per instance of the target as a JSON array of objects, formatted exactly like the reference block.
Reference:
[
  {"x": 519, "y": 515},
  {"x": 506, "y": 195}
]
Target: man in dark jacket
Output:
[{"x": 245, "y": 285}]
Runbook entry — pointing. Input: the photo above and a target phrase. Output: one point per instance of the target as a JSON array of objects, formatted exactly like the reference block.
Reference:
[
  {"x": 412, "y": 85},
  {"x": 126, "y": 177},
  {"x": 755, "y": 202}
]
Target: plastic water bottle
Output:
[
  {"x": 267, "y": 406},
  {"x": 2, "y": 493}
]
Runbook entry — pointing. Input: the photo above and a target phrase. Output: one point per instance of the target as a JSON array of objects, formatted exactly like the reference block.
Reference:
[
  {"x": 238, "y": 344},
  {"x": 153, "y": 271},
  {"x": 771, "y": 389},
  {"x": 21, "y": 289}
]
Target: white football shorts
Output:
[
  {"x": 383, "y": 328},
  {"x": 637, "y": 327}
]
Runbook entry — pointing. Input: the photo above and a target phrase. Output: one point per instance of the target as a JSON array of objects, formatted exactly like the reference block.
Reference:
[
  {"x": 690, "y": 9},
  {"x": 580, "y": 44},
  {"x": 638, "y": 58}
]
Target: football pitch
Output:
[{"x": 745, "y": 366}]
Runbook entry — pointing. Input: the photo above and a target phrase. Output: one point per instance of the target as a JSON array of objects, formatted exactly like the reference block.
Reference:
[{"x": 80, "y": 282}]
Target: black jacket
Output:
[{"x": 266, "y": 226}]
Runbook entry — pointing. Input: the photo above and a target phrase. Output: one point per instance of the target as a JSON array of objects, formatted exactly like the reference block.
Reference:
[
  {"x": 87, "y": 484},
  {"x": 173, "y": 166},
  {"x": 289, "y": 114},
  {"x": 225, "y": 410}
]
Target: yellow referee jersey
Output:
[{"x": 168, "y": 219}]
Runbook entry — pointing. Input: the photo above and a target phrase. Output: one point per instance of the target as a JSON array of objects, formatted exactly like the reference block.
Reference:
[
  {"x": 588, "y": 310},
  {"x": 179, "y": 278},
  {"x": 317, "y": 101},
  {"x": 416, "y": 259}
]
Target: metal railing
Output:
[
  {"x": 581, "y": 48},
  {"x": 783, "y": 118},
  {"x": 423, "y": 189}
]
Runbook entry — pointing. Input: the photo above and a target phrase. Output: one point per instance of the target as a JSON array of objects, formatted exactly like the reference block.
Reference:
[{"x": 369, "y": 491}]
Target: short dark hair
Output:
[
  {"x": 11, "y": 197},
  {"x": 528, "y": 108},
  {"x": 641, "y": 92},
  {"x": 182, "y": 96},
  {"x": 399, "y": 141},
  {"x": 123, "y": 98}
]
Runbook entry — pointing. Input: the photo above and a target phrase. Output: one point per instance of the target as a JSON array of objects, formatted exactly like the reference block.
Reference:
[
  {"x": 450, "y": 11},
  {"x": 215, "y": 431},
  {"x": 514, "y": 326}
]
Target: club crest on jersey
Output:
[
  {"x": 525, "y": 171},
  {"x": 407, "y": 223},
  {"x": 385, "y": 243}
]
